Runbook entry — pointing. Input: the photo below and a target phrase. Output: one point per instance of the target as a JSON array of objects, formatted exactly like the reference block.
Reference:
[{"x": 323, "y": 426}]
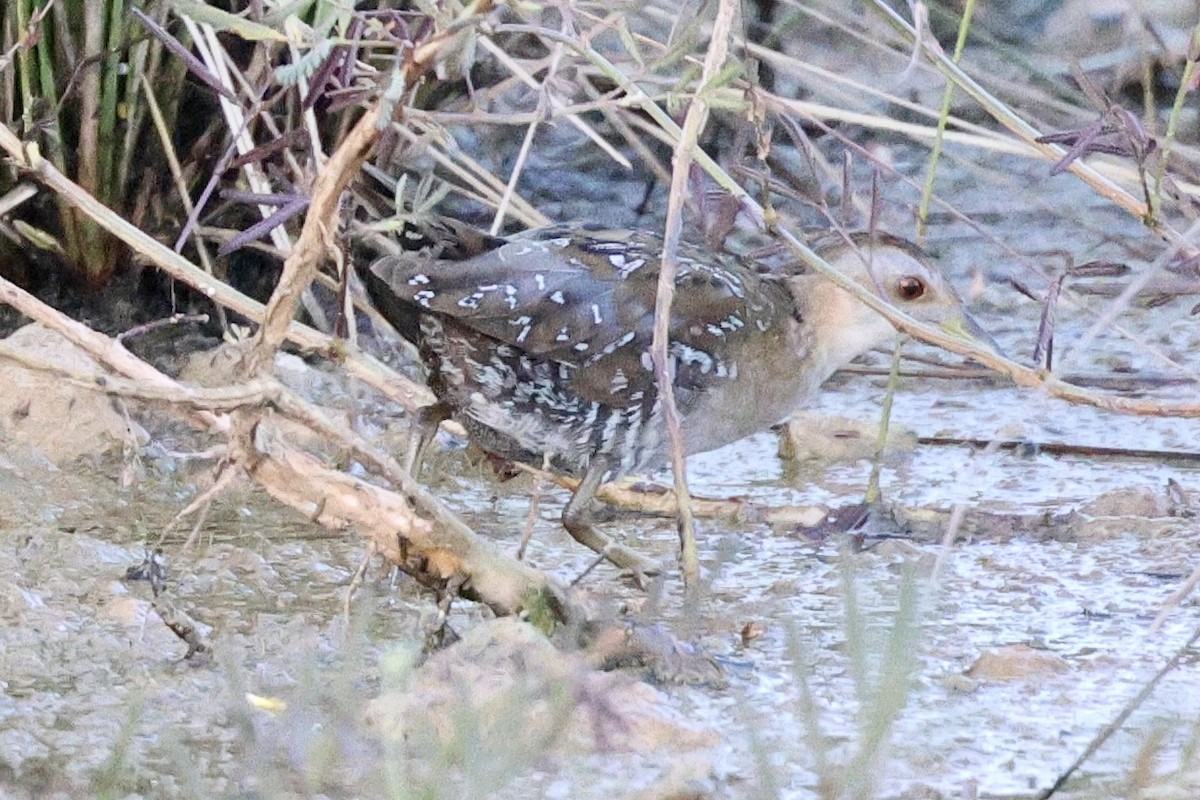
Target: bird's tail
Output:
[{"x": 443, "y": 238}]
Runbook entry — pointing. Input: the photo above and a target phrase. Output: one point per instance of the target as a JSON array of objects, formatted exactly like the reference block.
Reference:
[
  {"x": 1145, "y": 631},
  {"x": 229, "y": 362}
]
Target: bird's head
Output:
[{"x": 896, "y": 271}]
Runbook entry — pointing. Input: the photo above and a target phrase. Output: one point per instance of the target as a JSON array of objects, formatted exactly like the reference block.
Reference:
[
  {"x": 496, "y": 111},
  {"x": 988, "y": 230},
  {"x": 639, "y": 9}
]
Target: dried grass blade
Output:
[
  {"x": 184, "y": 54},
  {"x": 260, "y": 229}
]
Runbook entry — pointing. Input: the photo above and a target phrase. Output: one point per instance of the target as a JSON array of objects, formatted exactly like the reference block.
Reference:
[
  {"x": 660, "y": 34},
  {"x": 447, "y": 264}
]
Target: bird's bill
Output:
[{"x": 966, "y": 328}]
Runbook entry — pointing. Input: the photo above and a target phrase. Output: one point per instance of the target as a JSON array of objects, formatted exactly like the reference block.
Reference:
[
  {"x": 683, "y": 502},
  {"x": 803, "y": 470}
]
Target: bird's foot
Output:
[{"x": 641, "y": 568}]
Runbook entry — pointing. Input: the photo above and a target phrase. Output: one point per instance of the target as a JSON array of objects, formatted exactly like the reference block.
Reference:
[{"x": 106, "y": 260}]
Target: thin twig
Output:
[
  {"x": 1114, "y": 726},
  {"x": 697, "y": 115},
  {"x": 361, "y": 365},
  {"x": 171, "y": 321},
  {"x": 1066, "y": 449},
  {"x": 181, "y": 187},
  {"x": 1172, "y": 602}
]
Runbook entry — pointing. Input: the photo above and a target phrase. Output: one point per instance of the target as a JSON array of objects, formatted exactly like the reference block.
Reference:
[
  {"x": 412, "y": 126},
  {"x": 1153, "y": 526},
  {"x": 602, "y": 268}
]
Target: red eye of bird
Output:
[{"x": 910, "y": 288}]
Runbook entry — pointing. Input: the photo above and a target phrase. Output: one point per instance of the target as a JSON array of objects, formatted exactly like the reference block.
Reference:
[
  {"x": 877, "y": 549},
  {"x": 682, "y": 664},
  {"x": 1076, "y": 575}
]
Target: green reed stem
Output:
[
  {"x": 1185, "y": 88},
  {"x": 964, "y": 26}
]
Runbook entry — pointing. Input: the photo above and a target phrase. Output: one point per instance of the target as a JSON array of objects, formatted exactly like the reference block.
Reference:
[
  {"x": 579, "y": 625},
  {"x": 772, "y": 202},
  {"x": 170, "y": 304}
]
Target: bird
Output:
[{"x": 540, "y": 344}]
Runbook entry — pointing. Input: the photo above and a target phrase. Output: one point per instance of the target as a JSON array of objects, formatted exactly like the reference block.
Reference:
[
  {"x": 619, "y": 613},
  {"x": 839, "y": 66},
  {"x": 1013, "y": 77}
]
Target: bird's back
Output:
[{"x": 541, "y": 344}]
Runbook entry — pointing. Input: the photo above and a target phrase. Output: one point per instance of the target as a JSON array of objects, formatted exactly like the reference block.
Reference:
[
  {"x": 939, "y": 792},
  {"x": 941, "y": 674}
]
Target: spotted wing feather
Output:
[{"x": 588, "y": 300}]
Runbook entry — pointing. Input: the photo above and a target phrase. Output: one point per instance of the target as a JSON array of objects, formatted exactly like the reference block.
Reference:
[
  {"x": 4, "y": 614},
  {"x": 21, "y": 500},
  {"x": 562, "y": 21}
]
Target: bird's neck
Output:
[{"x": 841, "y": 327}]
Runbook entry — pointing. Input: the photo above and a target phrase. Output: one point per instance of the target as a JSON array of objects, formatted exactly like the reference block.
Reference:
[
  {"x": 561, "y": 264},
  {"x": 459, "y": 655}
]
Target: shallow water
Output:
[{"x": 84, "y": 665}]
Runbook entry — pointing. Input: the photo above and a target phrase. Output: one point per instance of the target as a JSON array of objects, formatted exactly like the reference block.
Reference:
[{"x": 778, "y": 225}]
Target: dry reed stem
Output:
[
  {"x": 316, "y": 238},
  {"x": 694, "y": 121},
  {"x": 488, "y": 188},
  {"x": 358, "y": 364},
  {"x": 212, "y": 53},
  {"x": 1119, "y": 304},
  {"x": 216, "y": 399},
  {"x": 661, "y": 503},
  {"x": 1068, "y": 297},
  {"x": 554, "y": 107},
  {"x": 1118, "y": 722},
  {"x": 320, "y": 223},
  {"x": 103, "y": 349},
  {"x": 176, "y": 169},
  {"x": 1020, "y": 374},
  {"x": 411, "y": 527},
  {"x": 1028, "y": 134},
  {"x": 1172, "y": 602}
]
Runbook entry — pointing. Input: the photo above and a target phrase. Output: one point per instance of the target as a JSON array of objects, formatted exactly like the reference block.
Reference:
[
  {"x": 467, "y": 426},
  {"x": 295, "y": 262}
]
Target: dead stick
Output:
[
  {"x": 357, "y": 363},
  {"x": 411, "y": 528},
  {"x": 1065, "y": 448}
]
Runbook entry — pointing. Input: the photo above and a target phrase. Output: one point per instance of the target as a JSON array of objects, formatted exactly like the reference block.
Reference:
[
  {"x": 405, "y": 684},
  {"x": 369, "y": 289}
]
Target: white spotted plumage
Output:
[{"x": 541, "y": 345}]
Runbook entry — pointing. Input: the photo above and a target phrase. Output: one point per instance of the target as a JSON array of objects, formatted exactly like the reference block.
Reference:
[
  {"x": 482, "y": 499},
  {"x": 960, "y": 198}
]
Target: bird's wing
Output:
[{"x": 580, "y": 298}]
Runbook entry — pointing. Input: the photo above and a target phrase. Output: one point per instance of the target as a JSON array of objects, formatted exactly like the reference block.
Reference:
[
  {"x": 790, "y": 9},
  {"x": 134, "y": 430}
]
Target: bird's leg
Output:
[
  {"x": 421, "y": 431},
  {"x": 577, "y": 519}
]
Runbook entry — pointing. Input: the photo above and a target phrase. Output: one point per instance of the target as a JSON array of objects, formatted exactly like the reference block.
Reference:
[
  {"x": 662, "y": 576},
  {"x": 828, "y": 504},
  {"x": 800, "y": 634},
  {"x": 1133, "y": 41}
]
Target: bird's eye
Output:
[{"x": 910, "y": 288}]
